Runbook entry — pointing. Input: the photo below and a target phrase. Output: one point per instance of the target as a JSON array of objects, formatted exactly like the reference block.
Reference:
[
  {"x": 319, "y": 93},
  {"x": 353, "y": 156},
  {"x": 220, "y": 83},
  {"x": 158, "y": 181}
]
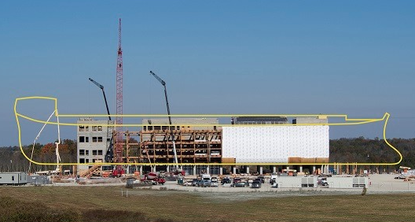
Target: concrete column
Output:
[
  {"x": 301, "y": 169},
  {"x": 167, "y": 169},
  {"x": 221, "y": 170},
  {"x": 207, "y": 170},
  {"x": 194, "y": 170},
  {"x": 288, "y": 169},
  {"x": 247, "y": 169},
  {"x": 314, "y": 169},
  {"x": 141, "y": 170},
  {"x": 234, "y": 170},
  {"x": 274, "y": 169},
  {"x": 155, "y": 169},
  {"x": 261, "y": 170}
]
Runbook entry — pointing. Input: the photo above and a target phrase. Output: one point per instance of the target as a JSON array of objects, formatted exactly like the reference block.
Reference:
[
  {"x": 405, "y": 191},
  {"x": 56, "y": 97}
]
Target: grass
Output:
[{"x": 106, "y": 204}]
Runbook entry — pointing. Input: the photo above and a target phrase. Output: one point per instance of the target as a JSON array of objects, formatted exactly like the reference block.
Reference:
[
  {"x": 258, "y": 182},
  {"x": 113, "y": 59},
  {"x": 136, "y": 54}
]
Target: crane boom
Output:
[
  {"x": 165, "y": 94},
  {"x": 158, "y": 78},
  {"x": 103, "y": 93},
  {"x": 96, "y": 83},
  {"x": 168, "y": 113},
  {"x": 109, "y": 155}
]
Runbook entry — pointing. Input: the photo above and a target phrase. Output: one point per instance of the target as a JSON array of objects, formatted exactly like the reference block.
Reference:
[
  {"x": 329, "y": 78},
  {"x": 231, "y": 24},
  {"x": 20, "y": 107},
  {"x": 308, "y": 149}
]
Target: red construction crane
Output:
[{"x": 119, "y": 101}]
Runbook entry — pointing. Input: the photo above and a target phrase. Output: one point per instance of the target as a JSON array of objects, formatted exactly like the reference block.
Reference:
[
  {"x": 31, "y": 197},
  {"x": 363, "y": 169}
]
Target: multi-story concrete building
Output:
[{"x": 93, "y": 141}]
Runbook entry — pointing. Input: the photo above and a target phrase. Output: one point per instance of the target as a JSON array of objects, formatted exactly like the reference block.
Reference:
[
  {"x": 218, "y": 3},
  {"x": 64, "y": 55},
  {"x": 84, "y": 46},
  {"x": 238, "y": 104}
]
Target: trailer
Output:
[
  {"x": 348, "y": 182},
  {"x": 13, "y": 178}
]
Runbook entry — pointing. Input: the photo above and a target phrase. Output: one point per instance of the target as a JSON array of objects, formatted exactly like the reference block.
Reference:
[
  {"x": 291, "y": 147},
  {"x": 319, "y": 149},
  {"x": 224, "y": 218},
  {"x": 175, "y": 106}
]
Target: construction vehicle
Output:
[
  {"x": 118, "y": 170},
  {"x": 153, "y": 178},
  {"x": 168, "y": 113},
  {"x": 110, "y": 151}
]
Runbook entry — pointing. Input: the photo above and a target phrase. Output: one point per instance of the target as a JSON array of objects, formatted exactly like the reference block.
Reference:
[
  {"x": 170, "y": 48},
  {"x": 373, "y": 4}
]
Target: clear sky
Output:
[{"x": 221, "y": 57}]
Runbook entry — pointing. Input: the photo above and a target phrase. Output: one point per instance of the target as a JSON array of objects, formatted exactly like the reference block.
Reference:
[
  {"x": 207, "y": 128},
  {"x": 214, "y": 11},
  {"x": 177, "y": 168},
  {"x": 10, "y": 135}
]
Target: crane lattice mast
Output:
[{"x": 119, "y": 99}]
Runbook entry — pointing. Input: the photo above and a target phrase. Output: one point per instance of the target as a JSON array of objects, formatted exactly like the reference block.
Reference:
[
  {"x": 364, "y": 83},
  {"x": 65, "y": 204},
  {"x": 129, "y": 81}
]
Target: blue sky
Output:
[{"x": 221, "y": 57}]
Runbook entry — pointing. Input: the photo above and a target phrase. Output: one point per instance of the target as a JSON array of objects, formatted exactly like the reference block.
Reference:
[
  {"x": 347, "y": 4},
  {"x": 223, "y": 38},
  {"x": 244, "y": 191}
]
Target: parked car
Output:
[
  {"x": 237, "y": 182},
  {"x": 261, "y": 178},
  {"x": 204, "y": 182},
  {"x": 214, "y": 182},
  {"x": 323, "y": 182},
  {"x": 226, "y": 180},
  {"x": 256, "y": 184},
  {"x": 188, "y": 183},
  {"x": 195, "y": 182}
]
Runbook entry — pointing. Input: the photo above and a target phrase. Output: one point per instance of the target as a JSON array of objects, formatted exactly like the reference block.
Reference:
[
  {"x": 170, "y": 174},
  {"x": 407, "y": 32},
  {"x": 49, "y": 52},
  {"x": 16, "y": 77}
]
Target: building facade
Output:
[{"x": 93, "y": 140}]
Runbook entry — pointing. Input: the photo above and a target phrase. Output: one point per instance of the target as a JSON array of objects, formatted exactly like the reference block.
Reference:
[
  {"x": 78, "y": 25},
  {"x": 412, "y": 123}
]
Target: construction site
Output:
[
  {"x": 194, "y": 145},
  {"x": 180, "y": 147}
]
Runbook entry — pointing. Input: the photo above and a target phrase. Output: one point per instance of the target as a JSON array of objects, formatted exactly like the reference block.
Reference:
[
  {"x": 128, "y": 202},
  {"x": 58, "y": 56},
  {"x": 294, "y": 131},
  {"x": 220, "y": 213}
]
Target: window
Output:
[
  {"x": 84, "y": 139},
  {"x": 97, "y": 139},
  {"x": 87, "y": 152},
  {"x": 81, "y": 152},
  {"x": 81, "y": 160},
  {"x": 83, "y": 128},
  {"x": 94, "y": 152},
  {"x": 12, "y": 178},
  {"x": 86, "y": 160},
  {"x": 99, "y": 152},
  {"x": 99, "y": 128},
  {"x": 97, "y": 160},
  {"x": 94, "y": 128}
]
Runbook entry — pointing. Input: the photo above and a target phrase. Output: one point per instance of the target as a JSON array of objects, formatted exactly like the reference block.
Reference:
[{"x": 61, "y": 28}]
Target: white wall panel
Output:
[{"x": 274, "y": 143}]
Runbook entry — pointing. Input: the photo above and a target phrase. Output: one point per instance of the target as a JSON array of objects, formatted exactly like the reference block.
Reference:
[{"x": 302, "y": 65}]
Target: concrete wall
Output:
[
  {"x": 93, "y": 141},
  {"x": 270, "y": 144}
]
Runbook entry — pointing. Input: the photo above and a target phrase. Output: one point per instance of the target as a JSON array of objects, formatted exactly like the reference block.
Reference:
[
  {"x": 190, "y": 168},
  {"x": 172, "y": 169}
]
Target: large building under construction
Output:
[
  {"x": 200, "y": 144},
  {"x": 197, "y": 144}
]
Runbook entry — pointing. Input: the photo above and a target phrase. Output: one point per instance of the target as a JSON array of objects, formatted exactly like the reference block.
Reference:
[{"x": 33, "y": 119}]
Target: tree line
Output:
[
  {"x": 344, "y": 150},
  {"x": 12, "y": 159},
  {"x": 376, "y": 150}
]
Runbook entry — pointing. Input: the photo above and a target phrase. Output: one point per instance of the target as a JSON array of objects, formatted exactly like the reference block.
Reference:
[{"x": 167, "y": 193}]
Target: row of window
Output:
[
  {"x": 86, "y": 128},
  {"x": 86, "y": 152},
  {"x": 84, "y": 160},
  {"x": 95, "y": 139},
  {"x": 150, "y": 128}
]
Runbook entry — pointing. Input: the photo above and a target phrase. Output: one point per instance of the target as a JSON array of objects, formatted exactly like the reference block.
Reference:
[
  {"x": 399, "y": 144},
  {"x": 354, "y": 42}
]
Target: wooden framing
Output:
[{"x": 156, "y": 146}]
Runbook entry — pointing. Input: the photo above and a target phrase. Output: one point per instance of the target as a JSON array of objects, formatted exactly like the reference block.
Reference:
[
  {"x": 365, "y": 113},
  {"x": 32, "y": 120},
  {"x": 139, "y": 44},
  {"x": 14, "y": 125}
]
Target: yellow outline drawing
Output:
[{"x": 348, "y": 121}]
